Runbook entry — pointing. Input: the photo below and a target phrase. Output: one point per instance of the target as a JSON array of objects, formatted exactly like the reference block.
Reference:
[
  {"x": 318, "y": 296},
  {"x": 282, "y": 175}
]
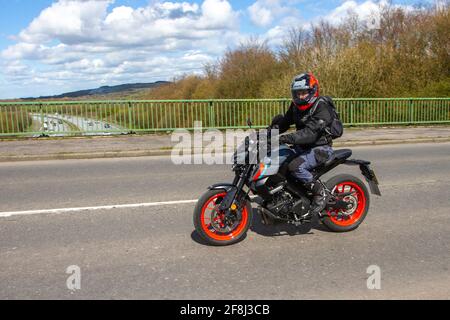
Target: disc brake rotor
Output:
[
  {"x": 351, "y": 199},
  {"x": 219, "y": 223}
]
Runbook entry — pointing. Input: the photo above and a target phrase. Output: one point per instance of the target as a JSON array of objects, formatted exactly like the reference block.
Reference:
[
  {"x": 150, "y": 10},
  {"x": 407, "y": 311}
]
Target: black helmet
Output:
[{"x": 305, "y": 82}]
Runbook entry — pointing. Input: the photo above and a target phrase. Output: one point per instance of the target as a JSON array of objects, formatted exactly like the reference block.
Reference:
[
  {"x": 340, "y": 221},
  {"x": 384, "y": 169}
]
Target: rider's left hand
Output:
[{"x": 283, "y": 139}]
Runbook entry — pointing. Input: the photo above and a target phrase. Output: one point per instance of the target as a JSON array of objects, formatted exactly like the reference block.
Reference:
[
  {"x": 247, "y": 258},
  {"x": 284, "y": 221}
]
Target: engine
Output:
[{"x": 286, "y": 206}]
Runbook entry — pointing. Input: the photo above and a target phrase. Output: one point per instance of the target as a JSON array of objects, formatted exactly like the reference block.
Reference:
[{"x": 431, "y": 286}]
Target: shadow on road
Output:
[
  {"x": 197, "y": 238},
  {"x": 276, "y": 230},
  {"x": 282, "y": 229}
]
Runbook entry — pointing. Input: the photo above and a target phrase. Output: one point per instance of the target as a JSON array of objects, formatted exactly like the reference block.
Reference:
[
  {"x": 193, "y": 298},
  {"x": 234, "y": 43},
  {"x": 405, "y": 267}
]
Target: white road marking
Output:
[{"x": 119, "y": 206}]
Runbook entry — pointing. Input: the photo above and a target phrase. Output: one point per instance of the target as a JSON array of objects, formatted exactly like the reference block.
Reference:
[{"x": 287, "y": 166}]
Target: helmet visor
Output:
[{"x": 301, "y": 93}]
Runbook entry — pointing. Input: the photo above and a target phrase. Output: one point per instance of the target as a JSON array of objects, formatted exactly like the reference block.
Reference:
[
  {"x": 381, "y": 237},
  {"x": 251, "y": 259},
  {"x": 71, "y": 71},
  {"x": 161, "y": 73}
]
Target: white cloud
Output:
[
  {"x": 276, "y": 35},
  {"x": 217, "y": 14},
  {"x": 88, "y": 22},
  {"x": 67, "y": 20},
  {"x": 264, "y": 12},
  {"x": 15, "y": 69},
  {"x": 260, "y": 15},
  {"x": 89, "y": 40},
  {"x": 120, "y": 16},
  {"x": 367, "y": 12},
  {"x": 363, "y": 11}
]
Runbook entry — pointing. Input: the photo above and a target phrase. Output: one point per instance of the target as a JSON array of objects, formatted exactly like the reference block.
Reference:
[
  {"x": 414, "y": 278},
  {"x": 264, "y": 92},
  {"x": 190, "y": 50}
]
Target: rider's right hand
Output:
[{"x": 276, "y": 121}]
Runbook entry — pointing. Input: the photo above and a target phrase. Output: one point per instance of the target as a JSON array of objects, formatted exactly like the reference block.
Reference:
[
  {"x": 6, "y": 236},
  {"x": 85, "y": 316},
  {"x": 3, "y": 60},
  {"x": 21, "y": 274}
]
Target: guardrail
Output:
[{"x": 118, "y": 117}]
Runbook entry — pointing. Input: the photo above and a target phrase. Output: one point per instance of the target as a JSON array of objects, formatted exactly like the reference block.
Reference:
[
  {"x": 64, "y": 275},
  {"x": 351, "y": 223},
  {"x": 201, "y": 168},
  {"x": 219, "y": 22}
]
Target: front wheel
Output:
[
  {"x": 351, "y": 190},
  {"x": 217, "y": 227}
]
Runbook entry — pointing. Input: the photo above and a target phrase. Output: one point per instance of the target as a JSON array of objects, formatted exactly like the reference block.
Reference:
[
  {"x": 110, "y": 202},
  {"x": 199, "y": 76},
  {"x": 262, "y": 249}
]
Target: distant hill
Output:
[{"x": 122, "y": 89}]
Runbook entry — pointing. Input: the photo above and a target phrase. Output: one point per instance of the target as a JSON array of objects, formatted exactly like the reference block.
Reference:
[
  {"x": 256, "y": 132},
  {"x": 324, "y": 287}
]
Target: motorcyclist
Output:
[{"x": 311, "y": 116}]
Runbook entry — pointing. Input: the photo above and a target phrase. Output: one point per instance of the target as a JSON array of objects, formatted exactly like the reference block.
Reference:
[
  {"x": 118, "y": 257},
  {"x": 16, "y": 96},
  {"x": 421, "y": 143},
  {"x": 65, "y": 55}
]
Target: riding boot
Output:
[{"x": 319, "y": 199}]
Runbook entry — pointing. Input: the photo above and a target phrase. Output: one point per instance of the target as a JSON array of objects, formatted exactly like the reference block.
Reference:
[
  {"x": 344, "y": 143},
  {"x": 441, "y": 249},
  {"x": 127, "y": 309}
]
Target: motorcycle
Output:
[{"x": 223, "y": 214}]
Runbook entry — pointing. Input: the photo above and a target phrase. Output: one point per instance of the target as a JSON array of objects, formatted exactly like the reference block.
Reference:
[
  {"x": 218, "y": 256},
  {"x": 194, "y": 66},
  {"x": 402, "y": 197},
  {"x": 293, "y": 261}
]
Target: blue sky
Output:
[{"x": 54, "y": 46}]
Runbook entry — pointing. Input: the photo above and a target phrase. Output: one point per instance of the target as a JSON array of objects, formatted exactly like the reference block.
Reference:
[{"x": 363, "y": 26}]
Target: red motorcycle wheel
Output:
[
  {"x": 340, "y": 220},
  {"x": 212, "y": 224}
]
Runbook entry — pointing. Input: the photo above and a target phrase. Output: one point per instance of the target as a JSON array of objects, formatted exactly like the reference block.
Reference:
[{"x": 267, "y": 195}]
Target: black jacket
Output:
[{"x": 310, "y": 129}]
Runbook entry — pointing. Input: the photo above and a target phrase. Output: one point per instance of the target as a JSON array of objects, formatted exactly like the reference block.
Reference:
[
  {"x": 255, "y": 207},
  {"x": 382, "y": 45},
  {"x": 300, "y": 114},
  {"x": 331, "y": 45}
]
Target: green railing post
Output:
[
  {"x": 212, "y": 115},
  {"x": 42, "y": 116},
  {"x": 410, "y": 111},
  {"x": 130, "y": 118},
  {"x": 351, "y": 113}
]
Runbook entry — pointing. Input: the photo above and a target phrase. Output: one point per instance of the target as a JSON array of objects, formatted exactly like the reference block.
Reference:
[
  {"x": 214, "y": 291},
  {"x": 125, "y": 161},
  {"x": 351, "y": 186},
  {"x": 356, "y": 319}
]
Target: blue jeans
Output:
[{"x": 307, "y": 160}]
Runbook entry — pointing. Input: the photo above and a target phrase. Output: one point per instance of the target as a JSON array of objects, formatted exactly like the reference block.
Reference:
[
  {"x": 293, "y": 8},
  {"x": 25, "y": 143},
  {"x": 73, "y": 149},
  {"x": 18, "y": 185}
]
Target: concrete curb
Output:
[{"x": 166, "y": 152}]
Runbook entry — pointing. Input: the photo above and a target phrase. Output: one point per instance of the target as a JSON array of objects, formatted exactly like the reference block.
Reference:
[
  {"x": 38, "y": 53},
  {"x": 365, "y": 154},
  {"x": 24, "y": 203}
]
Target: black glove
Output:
[
  {"x": 284, "y": 139},
  {"x": 276, "y": 121}
]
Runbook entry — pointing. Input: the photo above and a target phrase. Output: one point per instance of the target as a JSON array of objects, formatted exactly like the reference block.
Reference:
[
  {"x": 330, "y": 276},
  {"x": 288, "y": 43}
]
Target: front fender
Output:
[
  {"x": 222, "y": 186},
  {"x": 231, "y": 191}
]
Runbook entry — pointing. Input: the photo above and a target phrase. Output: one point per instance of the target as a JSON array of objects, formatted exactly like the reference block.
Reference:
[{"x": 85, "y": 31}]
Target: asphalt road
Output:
[
  {"x": 154, "y": 253},
  {"x": 51, "y": 129},
  {"x": 89, "y": 126}
]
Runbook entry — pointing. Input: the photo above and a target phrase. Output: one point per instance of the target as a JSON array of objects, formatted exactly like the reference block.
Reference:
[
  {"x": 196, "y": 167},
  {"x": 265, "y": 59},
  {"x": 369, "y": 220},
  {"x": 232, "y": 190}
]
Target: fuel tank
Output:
[{"x": 271, "y": 164}]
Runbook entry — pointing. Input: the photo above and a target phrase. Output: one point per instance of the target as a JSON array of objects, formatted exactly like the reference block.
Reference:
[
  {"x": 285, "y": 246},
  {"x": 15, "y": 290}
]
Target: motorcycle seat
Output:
[
  {"x": 338, "y": 156},
  {"x": 341, "y": 154}
]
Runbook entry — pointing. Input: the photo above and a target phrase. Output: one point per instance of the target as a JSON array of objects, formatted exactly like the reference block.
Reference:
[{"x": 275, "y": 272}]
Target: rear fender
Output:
[{"x": 368, "y": 174}]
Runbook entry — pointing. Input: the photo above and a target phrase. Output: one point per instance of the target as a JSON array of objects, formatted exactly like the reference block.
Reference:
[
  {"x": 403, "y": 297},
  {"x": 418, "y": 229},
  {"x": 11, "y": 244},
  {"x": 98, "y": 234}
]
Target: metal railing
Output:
[{"x": 116, "y": 117}]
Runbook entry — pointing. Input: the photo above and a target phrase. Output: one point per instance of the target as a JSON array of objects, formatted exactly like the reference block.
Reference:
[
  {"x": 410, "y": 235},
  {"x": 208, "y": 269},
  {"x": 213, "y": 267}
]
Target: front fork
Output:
[{"x": 234, "y": 192}]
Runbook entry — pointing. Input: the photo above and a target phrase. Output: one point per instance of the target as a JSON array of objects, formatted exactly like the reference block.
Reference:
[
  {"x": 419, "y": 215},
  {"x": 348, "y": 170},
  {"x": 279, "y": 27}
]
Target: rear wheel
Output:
[
  {"x": 219, "y": 227},
  {"x": 351, "y": 190}
]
